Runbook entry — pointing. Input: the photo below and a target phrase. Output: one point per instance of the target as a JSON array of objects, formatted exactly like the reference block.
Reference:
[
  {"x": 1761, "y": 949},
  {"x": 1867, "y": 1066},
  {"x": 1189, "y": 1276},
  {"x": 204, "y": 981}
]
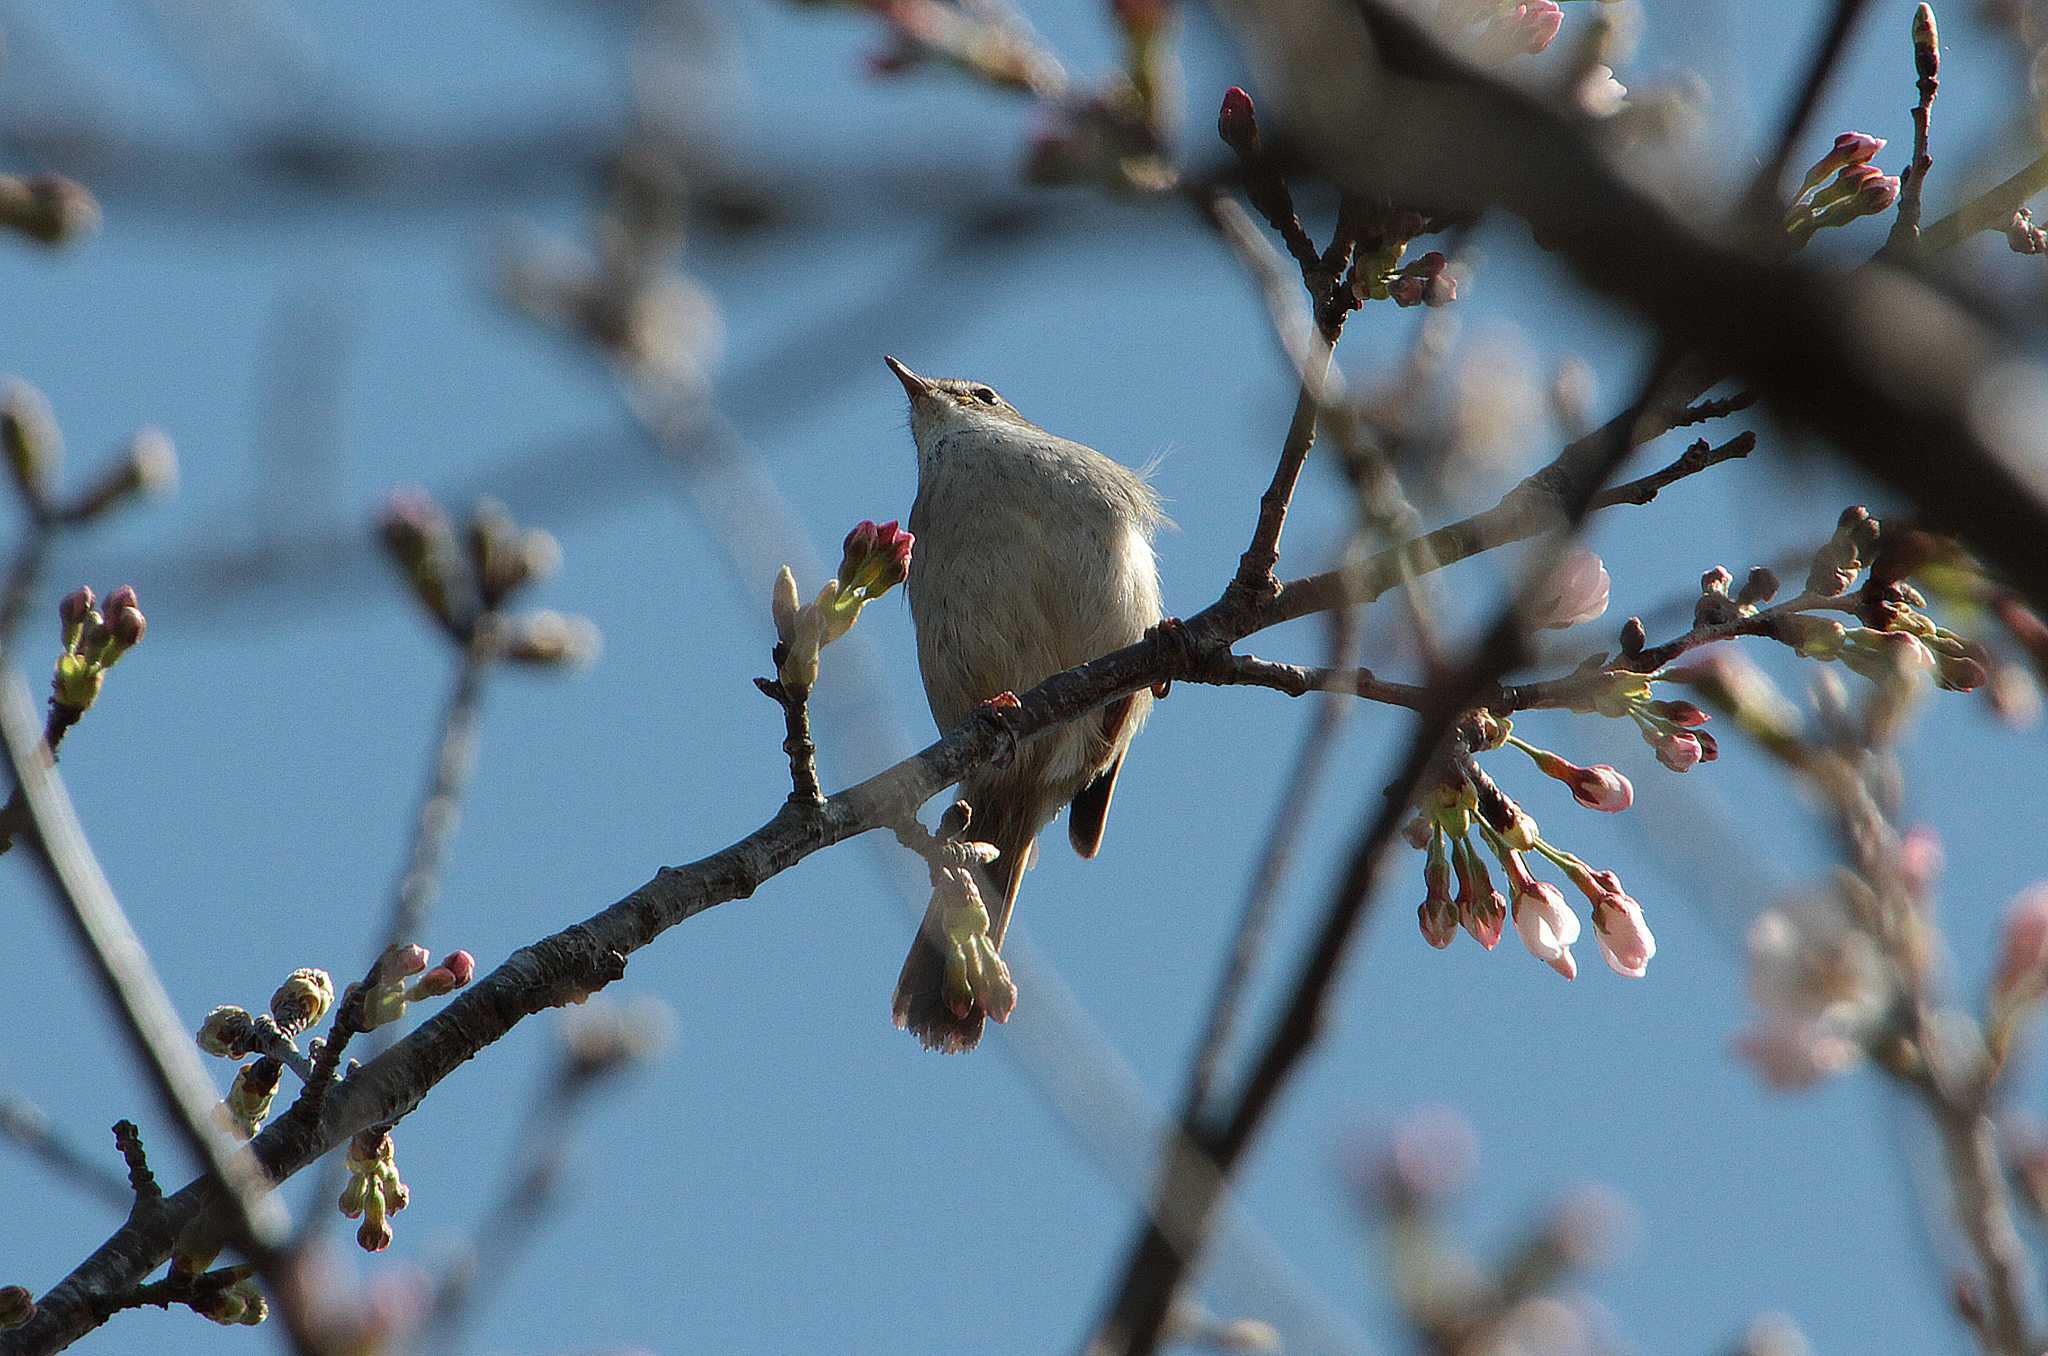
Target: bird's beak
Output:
[{"x": 914, "y": 386}]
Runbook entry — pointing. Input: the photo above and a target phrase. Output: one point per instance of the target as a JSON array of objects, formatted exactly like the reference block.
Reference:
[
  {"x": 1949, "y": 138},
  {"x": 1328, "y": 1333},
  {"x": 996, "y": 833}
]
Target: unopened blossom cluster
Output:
[
  {"x": 1840, "y": 187},
  {"x": 33, "y": 447},
  {"x": 1897, "y": 639},
  {"x": 96, "y": 635},
  {"x": 403, "y": 976},
  {"x": 374, "y": 1192},
  {"x": 958, "y": 923},
  {"x": 230, "y": 1032},
  {"x": 874, "y": 559},
  {"x": 1468, "y": 822},
  {"x": 461, "y": 579}
]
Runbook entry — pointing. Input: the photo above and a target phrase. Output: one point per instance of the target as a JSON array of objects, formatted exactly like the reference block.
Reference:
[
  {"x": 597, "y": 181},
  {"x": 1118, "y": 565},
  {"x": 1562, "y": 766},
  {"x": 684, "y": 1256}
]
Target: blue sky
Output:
[{"x": 793, "y": 1173}]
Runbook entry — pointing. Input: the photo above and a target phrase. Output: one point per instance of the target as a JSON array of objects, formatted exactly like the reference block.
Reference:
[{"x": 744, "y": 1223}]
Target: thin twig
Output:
[
  {"x": 1905, "y": 233},
  {"x": 440, "y": 808},
  {"x": 1691, "y": 462}
]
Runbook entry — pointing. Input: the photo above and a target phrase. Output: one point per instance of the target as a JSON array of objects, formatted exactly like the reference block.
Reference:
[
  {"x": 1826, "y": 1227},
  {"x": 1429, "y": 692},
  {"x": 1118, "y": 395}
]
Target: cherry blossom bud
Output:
[
  {"x": 228, "y": 1032},
  {"x": 456, "y": 969},
  {"x": 876, "y": 558},
  {"x": 1238, "y": 124},
  {"x": 1850, "y": 148},
  {"x": 1624, "y": 937},
  {"x": 374, "y": 1234},
  {"x": 1760, "y": 587},
  {"x": 401, "y": 960},
  {"x": 1859, "y": 191},
  {"x": 1481, "y": 910},
  {"x": 1884, "y": 656},
  {"x": 1813, "y": 637},
  {"x": 1438, "y": 913},
  {"x": 1634, "y": 636},
  {"x": 1683, "y": 714},
  {"x": 302, "y": 1000},
  {"x": 1926, "y": 44},
  {"x": 1679, "y": 751},
  {"x": 799, "y": 671},
  {"x": 1575, "y": 592},
  {"x": 75, "y": 612},
  {"x": 125, "y": 627},
  {"x": 1958, "y": 673},
  {"x": 2020, "y": 973},
  {"x": 248, "y": 1101},
  {"x": 1598, "y": 787},
  {"x": 1547, "y": 925}
]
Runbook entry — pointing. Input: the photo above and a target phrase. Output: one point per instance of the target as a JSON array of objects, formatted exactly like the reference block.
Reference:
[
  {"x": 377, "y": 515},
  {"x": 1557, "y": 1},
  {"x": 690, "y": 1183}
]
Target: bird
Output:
[{"x": 1034, "y": 554}]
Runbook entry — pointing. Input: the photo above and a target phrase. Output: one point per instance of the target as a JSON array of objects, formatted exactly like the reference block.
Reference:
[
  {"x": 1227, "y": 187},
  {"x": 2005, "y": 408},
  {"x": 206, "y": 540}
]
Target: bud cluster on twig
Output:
[{"x": 465, "y": 584}]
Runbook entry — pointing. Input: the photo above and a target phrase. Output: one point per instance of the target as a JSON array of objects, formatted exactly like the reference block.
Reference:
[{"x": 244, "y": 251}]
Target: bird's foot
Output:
[
  {"x": 1172, "y": 635},
  {"x": 994, "y": 713}
]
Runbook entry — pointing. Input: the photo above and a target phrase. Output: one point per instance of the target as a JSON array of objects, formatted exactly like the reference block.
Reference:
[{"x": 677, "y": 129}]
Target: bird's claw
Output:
[{"x": 993, "y": 712}]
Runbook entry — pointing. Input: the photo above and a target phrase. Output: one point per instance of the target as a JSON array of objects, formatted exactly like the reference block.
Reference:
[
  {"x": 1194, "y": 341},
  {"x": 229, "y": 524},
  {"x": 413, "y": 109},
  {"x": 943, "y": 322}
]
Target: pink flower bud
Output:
[
  {"x": 1680, "y": 752},
  {"x": 126, "y": 625},
  {"x": 456, "y": 969},
  {"x": 1598, "y": 787},
  {"x": 76, "y": 609},
  {"x": 1438, "y": 913},
  {"x": 1850, "y": 148},
  {"x": 1406, "y": 292},
  {"x": 120, "y": 598},
  {"x": 1481, "y": 910},
  {"x": 1625, "y": 941},
  {"x": 875, "y": 559},
  {"x": 1547, "y": 925},
  {"x": 1439, "y": 921},
  {"x": 399, "y": 961},
  {"x": 1575, "y": 592},
  {"x": 1237, "y": 124},
  {"x": 2021, "y": 971}
]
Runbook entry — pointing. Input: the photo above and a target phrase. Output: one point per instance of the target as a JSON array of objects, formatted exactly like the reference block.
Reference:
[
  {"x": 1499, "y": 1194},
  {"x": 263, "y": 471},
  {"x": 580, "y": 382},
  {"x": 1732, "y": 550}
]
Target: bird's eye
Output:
[{"x": 984, "y": 395}]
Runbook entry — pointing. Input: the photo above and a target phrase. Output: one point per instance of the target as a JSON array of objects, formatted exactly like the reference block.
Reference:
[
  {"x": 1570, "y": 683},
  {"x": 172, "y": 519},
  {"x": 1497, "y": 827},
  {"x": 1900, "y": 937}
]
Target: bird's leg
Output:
[{"x": 991, "y": 712}]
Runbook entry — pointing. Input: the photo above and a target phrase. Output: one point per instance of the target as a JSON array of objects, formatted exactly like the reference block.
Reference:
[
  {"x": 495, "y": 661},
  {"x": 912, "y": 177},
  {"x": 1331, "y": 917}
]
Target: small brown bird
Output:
[{"x": 1034, "y": 554}]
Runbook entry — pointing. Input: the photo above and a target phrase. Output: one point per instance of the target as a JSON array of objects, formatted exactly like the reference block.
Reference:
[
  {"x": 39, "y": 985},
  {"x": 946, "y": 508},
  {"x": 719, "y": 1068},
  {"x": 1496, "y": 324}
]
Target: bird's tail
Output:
[{"x": 920, "y": 1005}]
